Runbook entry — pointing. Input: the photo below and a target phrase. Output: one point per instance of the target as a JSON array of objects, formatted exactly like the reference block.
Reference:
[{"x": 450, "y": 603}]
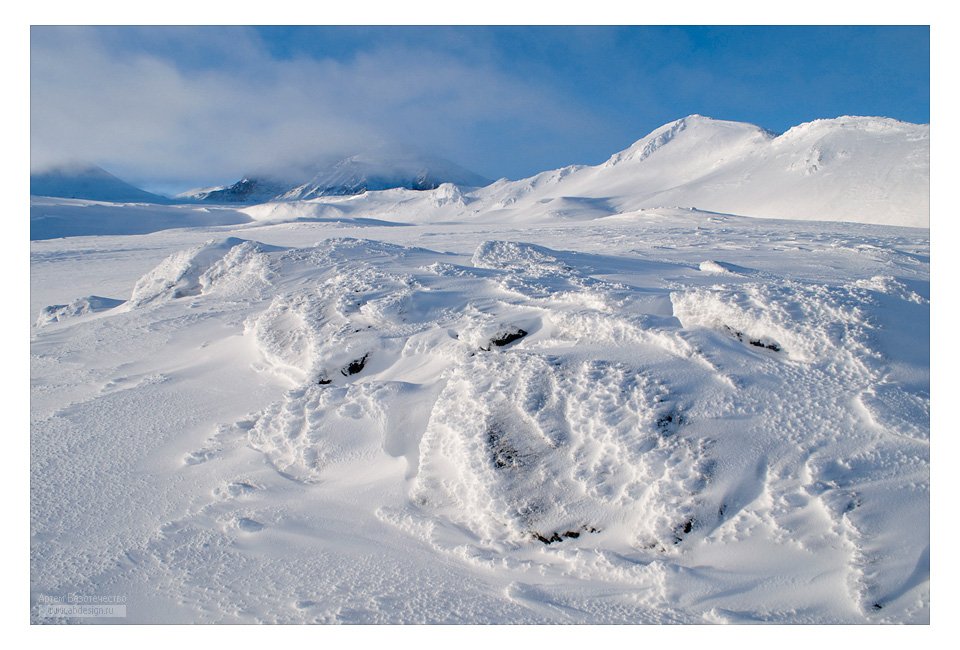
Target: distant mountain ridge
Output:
[
  {"x": 246, "y": 190},
  {"x": 87, "y": 181},
  {"x": 859, "y": 169},
  {"x": 370, "y": 171}
]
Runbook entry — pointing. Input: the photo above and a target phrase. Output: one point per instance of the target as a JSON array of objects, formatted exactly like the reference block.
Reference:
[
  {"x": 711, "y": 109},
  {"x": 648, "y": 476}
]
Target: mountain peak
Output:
[
  {"x": 379, "y": 169},
  {"x": 864, "y": 169},
  {"x": 84, "y": 180},
  {"x": 702, "y": 132}
]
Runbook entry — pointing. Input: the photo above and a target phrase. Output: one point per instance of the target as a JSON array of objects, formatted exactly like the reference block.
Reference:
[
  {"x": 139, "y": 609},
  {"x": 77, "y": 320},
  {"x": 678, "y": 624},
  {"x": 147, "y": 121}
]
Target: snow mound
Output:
[
  {"x": 320, "y": 331},
  {"x": 525, "y": 448},
  {"x": 79, "y": 307},
  {"x": 529, "y": 259},
  {"x": 803, "y": 323},
  {"x": 352, "y": 311},
  {"x": 233, "y": 264},
  {"x": 448, "y": 194},
  {"x": 718, "y": 268}
]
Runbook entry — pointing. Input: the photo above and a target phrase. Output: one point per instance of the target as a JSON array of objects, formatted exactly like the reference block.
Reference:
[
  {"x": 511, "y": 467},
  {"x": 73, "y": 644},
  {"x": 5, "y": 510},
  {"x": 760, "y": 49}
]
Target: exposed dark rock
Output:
[
  {"x": 505, "y": 338},
  {"x": 682, "y": 529},
  {"x": 502, "y": 453},
  {"x": 559, "y": 537},
  {"x": 737, "y": 334},
  {"x": 668, "y": 423},
  {"x": 759, "y": 343},
  {"x": 355, "y": 366}
]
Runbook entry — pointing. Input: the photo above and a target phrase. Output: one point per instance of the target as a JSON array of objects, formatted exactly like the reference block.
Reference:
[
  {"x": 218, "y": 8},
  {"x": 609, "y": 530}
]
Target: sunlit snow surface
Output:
[{"x": 666, "y": 416}]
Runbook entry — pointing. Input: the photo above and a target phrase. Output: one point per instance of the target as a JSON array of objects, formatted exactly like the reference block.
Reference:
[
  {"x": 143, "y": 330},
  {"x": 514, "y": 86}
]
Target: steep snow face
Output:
[
  {"x": 86, "y": 181},
  {"x": 864, "y": 169}
]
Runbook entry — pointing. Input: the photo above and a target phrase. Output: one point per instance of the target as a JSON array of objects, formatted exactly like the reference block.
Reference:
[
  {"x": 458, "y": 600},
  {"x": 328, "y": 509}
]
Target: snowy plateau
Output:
[{"x": 687, "y": 385}]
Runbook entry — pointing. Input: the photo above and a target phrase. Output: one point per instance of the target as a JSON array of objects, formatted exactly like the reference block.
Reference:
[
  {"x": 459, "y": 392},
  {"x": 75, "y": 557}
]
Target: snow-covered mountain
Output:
[
  {"x": 865, "y": 169},
  {"x": 247, "y": 190},
  {"x": 369, "y": 171},
  {"x": 87, "y": 181},
  {"x": 378, "y": 171},
  {"x": 859, "y": 169}
]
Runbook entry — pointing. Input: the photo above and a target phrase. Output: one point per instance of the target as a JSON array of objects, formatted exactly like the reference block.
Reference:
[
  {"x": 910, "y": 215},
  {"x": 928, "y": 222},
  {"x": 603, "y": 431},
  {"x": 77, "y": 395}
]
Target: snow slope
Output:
[
  {"x": 864, "y": 169},
  {"x": 661, "y": 416},
  {"x": 858, "y": 169}
]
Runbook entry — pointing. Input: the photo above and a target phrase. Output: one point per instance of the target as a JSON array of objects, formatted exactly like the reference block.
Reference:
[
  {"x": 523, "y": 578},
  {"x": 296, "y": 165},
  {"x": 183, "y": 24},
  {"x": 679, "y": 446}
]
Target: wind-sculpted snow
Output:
[
  {"x": 659, "y": 426},
  {"x": 542, "y": 444},
  {"x": 77, "y": 308},
  {"x": 231, "y": 264},
  {"x": 525, "y": 448}
]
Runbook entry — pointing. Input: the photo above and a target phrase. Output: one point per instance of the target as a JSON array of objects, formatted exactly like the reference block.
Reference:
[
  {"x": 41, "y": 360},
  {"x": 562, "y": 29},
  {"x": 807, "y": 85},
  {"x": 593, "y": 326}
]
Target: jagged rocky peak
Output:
[{"x": 373, "y": 170}]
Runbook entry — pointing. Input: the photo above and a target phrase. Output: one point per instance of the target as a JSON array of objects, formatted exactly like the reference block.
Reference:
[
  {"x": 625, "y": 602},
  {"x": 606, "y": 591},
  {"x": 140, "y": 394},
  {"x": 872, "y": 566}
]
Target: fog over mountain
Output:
[{"x": 864, "y": 169}]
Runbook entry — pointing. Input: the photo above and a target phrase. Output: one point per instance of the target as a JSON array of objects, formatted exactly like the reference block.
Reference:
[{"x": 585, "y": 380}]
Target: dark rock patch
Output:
[
  {"x": 758, "y": 343},
  {"x": 668, "y": 423},
  {"x": 735, "y": 333},
  {"x": 682, "y": 529},
  {"x": 502, "y": 454},
  {"x": 505, "y": 338},
  {"x": 547, "y": 540},
  {"x": 354, "y": 366},
  {"x": 559, "y": 537}
]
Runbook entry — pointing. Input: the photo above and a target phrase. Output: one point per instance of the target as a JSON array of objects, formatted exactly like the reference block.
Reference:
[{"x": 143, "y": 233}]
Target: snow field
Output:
[{"x": 621, "y": 433}]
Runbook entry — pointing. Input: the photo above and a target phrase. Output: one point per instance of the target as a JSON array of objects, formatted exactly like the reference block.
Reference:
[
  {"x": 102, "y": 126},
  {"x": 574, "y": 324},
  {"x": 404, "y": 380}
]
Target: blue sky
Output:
[{"x": 174, "y": 107}]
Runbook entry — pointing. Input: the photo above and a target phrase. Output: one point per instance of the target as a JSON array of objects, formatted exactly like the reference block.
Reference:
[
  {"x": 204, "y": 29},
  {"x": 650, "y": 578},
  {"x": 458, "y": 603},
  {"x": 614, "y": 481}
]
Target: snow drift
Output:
[{"x": 620, "y": 433}]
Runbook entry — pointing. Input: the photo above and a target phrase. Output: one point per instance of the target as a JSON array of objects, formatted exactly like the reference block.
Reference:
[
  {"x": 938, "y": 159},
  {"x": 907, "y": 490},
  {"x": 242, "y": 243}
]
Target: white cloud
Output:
[{"x": 227, "y": 107}]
